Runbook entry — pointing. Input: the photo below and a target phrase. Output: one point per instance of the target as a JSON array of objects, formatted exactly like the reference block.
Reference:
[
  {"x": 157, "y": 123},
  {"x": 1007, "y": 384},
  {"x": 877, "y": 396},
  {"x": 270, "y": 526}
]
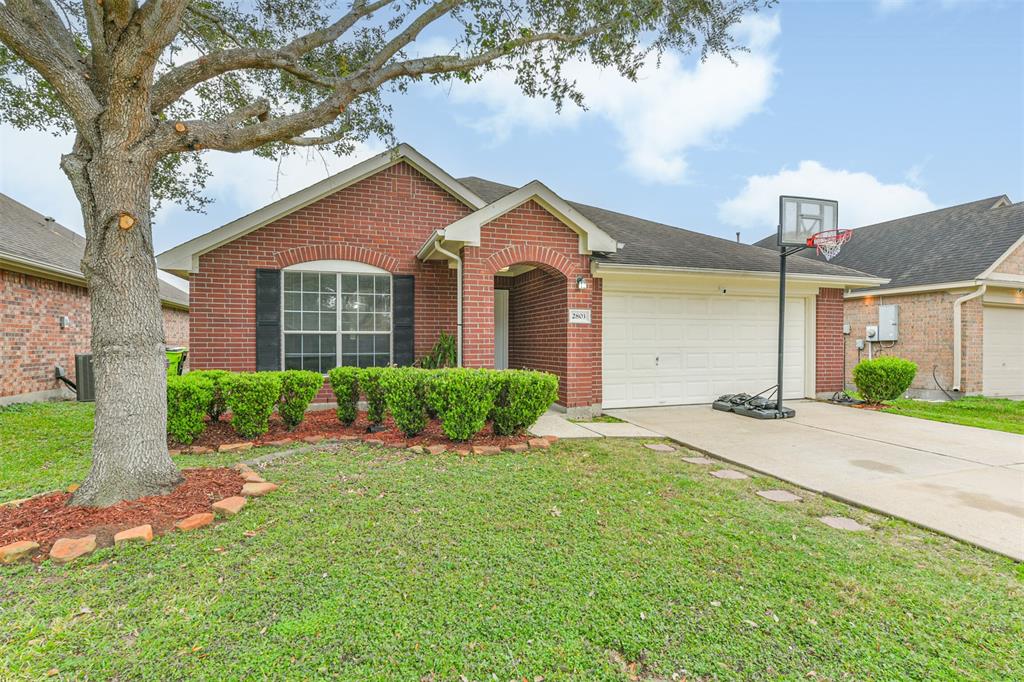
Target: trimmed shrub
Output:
[
  {"x": 216, "y": 407},
  {"x": 251, "y": 397},
  {"x": 345, "y": 384},
  {"x": 521, "y": 397},
  {"x": 404, "y": 395},
  {"x": 884, "y": 378},
  {"x": 369, "y": 384},
  {"x": 462, "y": 399},
  {"x": 443, "y": 354},
  {"x": 298, "y": 388},
  {"x": 188, "y": 398}
]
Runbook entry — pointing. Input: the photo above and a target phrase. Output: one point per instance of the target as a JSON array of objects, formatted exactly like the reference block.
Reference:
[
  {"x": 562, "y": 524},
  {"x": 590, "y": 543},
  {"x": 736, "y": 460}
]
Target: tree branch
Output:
[
  {"x": 179, "y": 80},
  {"x": 28, "y": 35}
]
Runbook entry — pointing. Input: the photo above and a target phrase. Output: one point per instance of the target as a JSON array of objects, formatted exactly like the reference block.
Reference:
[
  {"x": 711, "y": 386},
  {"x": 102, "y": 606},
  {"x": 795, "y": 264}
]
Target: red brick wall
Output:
[
  {"x": 530, "y": 234},
  {"x": 925, "y": 336},
  {"x": 382, "y": 220},
  {"x": 828, "y": 330},
  {"x": 31, "y": 340}
]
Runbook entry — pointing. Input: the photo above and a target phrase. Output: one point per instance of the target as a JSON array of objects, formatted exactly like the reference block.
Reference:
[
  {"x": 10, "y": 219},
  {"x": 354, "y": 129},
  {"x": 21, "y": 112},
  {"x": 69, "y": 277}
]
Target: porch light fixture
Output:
[{"x": 581, "y": 282}]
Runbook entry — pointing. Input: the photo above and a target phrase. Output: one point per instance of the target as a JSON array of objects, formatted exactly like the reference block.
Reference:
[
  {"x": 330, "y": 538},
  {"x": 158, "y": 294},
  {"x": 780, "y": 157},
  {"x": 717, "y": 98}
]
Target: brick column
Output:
[{"x": 828, "y": 325}]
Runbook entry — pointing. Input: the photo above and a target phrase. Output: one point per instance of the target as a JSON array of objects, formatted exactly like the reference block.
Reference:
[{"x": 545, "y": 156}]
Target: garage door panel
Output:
[
  {"x": 1003, "y": 351},
  {"x": 683, "y": 349}
]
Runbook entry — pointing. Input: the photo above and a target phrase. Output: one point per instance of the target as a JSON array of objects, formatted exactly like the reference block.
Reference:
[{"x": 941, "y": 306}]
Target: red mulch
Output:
[
  {"x": 325, "y": 423},
  {"x": 47, "y": 518}
]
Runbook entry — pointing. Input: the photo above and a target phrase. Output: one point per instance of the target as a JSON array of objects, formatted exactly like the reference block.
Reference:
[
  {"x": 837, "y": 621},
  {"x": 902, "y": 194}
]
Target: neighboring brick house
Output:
[
  {"x": 369, "y": 266},
  {"x": 956, "y": 277},
  {"x": 44, "y": 304}
]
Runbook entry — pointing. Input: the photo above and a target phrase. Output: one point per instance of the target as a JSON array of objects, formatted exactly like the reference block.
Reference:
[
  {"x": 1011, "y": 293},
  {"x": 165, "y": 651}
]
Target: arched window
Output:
[{"x": 336, "y": 313}]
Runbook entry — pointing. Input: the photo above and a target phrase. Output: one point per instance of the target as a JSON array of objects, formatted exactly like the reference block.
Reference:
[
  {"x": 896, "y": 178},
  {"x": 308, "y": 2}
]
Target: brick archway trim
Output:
[
  {"x": 523, "y": 253},
  {"x": 361, "y": 254}
]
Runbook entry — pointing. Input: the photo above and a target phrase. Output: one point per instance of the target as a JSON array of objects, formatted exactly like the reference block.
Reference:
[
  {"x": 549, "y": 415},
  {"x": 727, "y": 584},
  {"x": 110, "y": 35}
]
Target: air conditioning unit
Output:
[{"x": 84, "y": 378}]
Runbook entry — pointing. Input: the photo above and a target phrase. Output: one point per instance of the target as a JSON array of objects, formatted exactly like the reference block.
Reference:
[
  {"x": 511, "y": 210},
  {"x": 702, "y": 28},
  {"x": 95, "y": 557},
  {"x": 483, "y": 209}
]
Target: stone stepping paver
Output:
[
  {"x": 729, "y": 474},
  {"x": 436, "y": 449},
  {"x": 234, "y": 447},
  {"x": 229, "y": 506},
  {"x": 69, "y": 549},
  {"x": 258, "y": 489},
  {"x": 195, "y": 521},
  {"x": 659, "y": 447},
  {"x": 486, "y": 450},
  {"x": 517, "y": 447},
  {"x": 541, "y": 443},
  {"x": 252, "y": 477},
  {"x": 699, "y": 460},
  {"x": 779, "y": 495},
  {"x": 843, "y": 523},
  {"x": 17, "y": 550},
  {"x": 136, "y": 534}
]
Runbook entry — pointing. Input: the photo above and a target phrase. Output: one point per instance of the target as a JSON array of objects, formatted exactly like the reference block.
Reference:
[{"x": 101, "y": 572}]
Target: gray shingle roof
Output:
[
  {"x": 28, "y": 236},
  {"x": 951, "y": 244},
  {"x": 656, "y": 244}
]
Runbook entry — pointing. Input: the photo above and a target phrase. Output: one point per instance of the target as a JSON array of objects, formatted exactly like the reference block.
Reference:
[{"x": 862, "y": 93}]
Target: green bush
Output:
[
  {"x": 404, "y": 395},
  {"x": 216, "y": 407},
  {"x": 443, "y": 354},
  {"x": 345, "y": 384},
  {"x": 188, "y": 398},
  {"x": 884, "y": 378},
  {"x": 298, "y": 388},
  {"x": 251, "y": 397},
  {"x": 521, "y": 397},
  {"x": 462, "y": 400},
  {"x": 369, "y": 385}
]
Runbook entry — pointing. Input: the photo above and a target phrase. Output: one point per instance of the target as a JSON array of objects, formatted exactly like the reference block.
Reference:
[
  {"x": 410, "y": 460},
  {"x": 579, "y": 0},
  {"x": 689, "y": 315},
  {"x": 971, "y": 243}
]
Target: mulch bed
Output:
[
  {"x": 47, "y": 518},
  {"x": 325, "y": 423}
]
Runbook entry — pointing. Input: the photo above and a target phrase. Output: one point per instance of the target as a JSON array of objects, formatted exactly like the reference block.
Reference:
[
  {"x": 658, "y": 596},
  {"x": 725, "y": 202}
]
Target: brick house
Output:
[
  {"x": 44, "y": 304},
  {"x": 956, "y": 279},
  {"x": 369, "y": 266}
]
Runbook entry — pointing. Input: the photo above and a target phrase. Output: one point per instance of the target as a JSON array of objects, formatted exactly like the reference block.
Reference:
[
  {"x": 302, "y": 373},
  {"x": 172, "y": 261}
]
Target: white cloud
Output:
[
  {"x": 672, "y": 108},
  {"x": 863, "y": 198},
  {"x": 30, "y": 172}
]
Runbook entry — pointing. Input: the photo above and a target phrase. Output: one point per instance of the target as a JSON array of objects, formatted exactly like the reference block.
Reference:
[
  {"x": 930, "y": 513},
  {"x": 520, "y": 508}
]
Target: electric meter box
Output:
[{"x": 888, "y": 322}]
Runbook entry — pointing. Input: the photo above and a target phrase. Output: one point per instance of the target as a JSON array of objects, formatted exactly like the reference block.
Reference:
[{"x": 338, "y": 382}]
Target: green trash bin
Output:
[{"x": 176, "y": 359}]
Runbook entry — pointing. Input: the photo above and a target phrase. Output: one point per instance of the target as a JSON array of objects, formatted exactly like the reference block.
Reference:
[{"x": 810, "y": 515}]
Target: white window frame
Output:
[{"x": 338, "y": 268}]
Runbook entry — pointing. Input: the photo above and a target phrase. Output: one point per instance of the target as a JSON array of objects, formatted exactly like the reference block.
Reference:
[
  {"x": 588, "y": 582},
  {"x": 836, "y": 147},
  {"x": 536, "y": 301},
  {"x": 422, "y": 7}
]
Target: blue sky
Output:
[{"x": 892, "y": 107}]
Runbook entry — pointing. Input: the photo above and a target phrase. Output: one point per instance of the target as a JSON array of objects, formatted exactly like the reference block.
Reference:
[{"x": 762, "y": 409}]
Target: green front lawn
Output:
[
  {"x": 998, "y": 414},
  {"x": 597, "y": 560}
]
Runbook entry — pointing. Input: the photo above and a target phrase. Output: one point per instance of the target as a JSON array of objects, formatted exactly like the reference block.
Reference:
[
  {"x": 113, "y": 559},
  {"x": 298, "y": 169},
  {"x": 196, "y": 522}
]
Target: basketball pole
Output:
[{"x": 782, "y": 321}]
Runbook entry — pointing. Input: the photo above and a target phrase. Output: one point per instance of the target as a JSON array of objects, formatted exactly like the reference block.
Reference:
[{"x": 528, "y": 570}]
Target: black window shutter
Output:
[
  {"x": 403, "y": 330},
  {"x": 268, "y": 320}
]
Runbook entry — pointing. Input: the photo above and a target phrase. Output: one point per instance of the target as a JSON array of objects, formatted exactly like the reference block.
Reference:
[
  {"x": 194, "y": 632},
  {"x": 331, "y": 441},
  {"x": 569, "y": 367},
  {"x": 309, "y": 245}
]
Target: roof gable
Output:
[
  {"x": 592, "y": 238},
  {"x": 184, "y": 258}
]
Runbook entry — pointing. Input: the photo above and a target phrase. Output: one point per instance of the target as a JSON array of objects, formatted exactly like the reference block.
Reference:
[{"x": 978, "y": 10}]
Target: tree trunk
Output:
[{"x": 129, "y": 452}]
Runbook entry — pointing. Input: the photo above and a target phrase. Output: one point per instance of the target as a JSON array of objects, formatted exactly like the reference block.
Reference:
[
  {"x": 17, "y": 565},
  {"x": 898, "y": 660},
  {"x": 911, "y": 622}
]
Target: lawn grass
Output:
[
  {"x": 596, "y": 560},
  {"x": 600, "y": 419},
  {"x": 46, "y": 446},
  {"x": 998, "y": 414}
]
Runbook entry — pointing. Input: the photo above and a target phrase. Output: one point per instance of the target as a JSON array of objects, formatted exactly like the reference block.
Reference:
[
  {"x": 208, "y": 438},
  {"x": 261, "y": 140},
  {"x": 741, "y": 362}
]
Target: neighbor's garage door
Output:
[
  {"x": 675, "y": 349},
  {"x": 1003, "y": 352}
]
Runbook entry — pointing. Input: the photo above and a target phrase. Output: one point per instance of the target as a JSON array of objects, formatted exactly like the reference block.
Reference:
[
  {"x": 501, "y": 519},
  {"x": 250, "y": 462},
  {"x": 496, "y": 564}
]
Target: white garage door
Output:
[
  {"x": 1003, "y": 351},
  {"x": 674, "y": 349}
]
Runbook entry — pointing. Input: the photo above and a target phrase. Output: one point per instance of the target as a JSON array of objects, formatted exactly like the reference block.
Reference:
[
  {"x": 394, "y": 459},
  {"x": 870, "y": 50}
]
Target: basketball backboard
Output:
[{"x": 801, "y": 217}]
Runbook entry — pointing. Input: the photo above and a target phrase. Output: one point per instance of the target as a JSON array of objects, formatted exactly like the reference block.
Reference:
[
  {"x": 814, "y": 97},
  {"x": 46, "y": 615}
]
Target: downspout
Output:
[
  {"x": 458, "y": 297},
  {"x": 958, "y": 333}
]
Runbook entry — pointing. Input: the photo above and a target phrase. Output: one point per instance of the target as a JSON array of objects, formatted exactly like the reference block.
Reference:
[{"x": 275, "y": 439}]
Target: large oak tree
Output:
[{"x": 148, "y": 89}]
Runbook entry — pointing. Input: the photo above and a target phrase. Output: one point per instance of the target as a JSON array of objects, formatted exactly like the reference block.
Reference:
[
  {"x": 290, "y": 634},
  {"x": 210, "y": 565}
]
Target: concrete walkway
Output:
[
  {"x": 959, "y": 480},
  {"x": 555, "y": 424}
]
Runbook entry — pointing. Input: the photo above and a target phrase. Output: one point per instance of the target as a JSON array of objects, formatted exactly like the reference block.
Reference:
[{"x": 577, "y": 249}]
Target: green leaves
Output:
[
  {"x": 298, "y": 388},
  {"x": 404, "y": 390},
  {"x": 884, "y": 378},
  {"x": 251, "y": 397},
  {"x": 521, "y": 397},
  {"x": 188, "y": 398},
  {"x": 345, "y": 384},
  {"x": 462, "y": 400},
  {"x": 369, "y": 384}
]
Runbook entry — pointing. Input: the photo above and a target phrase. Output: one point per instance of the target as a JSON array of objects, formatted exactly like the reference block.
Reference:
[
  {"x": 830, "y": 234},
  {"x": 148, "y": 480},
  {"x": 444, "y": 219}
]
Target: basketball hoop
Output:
[{"x": 828, "y": 243}]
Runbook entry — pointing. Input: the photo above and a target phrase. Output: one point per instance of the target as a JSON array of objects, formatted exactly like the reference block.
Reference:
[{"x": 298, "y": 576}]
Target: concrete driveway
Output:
[{"x": 959, "y": 480}]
